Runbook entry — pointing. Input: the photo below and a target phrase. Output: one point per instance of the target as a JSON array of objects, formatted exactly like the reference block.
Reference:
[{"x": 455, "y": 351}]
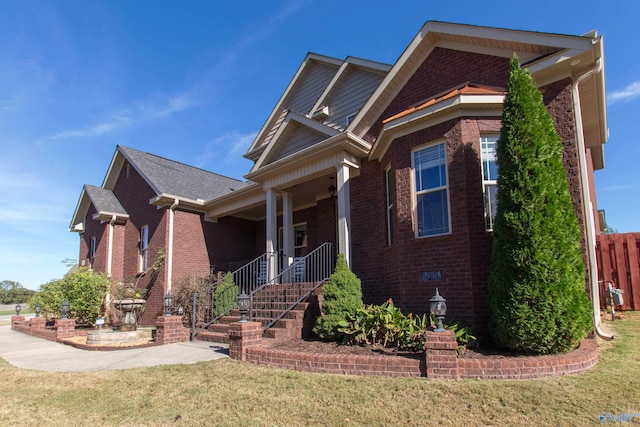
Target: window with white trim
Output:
[
  {"x": 92, "y": 252},
  {"x": 488, "y": 145},
  {"x": 431, "y": 199},
  {"x": 144, "y": 248},
  {"x": 388, "y": 187},
  {"x": 299, "y": 240}
]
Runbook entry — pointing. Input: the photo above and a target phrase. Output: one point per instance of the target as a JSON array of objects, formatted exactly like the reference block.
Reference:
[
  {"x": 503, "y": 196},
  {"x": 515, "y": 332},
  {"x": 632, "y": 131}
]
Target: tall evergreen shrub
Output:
[
  {"x": 537, "y": 297},
  {"x": 342, "y": 297}
]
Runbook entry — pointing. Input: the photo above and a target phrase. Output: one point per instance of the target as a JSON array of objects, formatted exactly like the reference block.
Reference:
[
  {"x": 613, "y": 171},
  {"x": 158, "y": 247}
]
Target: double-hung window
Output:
[
  {"x": 488, "y": 146},
  {"x": 144, "y": 248},
  {"x": 431, "y": 190}
]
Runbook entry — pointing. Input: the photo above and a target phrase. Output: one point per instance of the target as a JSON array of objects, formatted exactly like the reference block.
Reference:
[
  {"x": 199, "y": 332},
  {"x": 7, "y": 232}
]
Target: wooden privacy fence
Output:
[{"x": 618, "y": 258}]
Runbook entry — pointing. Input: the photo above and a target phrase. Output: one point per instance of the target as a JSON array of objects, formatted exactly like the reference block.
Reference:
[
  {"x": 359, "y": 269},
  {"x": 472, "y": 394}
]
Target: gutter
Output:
[
  {"x": 170, "y": 245},
  {"x": 587, "y": 205},
  {"x": 110, "y": 250}
]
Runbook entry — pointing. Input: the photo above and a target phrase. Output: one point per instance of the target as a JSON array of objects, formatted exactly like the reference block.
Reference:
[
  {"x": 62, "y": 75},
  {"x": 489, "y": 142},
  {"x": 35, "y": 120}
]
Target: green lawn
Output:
[{"x": 228, "y": 392}]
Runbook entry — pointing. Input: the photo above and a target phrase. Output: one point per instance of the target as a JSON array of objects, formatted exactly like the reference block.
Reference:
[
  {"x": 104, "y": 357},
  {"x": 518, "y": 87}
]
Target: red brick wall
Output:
[
  {"x": 94, "y": 228},
  {"x": 463, "y": 256},
  {"x": 134, "y": 194},
  {"x": 444, "y": 69}
]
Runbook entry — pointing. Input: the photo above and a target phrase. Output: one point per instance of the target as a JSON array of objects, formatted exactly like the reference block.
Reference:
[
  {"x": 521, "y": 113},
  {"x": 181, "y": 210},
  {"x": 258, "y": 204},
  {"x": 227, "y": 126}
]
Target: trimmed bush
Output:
[
  {"x": 84, "y": 289},
  {"x": 537, "y": 295},
  {"x": 342, "y": 297}
]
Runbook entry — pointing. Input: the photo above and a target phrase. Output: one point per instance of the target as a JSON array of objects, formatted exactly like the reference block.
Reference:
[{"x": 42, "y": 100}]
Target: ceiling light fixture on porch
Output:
[{"x": 332, "y": 188}]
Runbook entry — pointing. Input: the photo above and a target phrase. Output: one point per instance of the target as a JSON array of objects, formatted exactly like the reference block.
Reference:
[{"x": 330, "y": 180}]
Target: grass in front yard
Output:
[{"x": 227, "y": 392}]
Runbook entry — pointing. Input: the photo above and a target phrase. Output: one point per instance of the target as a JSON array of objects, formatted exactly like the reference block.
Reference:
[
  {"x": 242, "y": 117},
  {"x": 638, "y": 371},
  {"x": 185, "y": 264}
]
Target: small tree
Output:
[
  {"x": 84, "y": 289},
  {"x": 342, "y": 298},
  {"x": 537, "y": 297},
  {"x": 225, "y": 296}
]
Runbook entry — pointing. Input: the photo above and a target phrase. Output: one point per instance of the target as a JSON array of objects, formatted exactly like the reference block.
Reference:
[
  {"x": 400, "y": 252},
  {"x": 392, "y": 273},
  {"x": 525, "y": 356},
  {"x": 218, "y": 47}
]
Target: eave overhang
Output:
[
  {"x": 345, "y": 144},
  {"x": 431, "y": 113}
]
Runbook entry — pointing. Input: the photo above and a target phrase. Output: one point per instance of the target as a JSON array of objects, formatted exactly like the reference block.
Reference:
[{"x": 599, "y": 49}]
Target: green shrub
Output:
[
  {"x": 84, "y": 289},
  {"x": 537, "y": 297},
  {"x": 342, "y": 297},
  {"x": 225, "y": 296},
  {"x": 386, "y": 325}
]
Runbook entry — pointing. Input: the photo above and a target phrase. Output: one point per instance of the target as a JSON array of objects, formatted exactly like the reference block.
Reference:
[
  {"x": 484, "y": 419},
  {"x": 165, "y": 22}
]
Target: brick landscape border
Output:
[{"x": 440, "y": 361}]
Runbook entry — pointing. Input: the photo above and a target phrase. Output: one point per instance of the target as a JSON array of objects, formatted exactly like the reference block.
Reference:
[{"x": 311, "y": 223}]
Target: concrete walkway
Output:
[{"x": 27, "y": 352}]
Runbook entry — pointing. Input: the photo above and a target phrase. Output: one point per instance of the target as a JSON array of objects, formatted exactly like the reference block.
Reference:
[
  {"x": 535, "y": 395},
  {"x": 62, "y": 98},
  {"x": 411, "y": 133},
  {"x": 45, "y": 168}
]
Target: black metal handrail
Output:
[
  {"x": 278, "y": 296},
  {"x": 217, "y": 300}
]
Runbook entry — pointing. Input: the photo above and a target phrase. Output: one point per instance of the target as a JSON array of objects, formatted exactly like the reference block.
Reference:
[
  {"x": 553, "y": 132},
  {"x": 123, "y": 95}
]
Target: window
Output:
[
  {"x": 488, "y": 146},
  {"x": 431, "y": 190},
  {"x": 388, "y": 187},
  {"x": 92, "y": 252},
  {"x": 144, "y": 248},
  {"x": 299, "y": 240}
]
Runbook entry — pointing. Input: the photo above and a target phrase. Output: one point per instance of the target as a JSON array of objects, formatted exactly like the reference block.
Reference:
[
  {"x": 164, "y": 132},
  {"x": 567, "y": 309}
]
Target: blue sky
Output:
[{"x": 195, "y": 80}]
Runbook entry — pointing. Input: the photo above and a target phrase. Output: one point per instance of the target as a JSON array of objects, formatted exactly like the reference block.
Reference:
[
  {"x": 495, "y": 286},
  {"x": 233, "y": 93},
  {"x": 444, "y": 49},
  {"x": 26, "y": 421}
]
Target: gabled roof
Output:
[
  {"x": 104, "y": 200},
  {"x": 171, "y": 179},
  {"x": 106, "y": 204},
  {"x": 314, "y": 84},
  {"x": 549, "y": 57}
]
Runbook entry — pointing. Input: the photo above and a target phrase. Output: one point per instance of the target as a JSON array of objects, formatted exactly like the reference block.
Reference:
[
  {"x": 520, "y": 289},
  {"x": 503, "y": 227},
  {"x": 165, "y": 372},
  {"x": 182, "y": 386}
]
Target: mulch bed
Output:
[{"x": 322, "y": 347}]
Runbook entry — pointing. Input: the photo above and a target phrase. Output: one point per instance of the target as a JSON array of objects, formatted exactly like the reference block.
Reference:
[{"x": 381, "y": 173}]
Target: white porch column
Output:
[
  {"x": 272, "y": 230},
  {"x": 287, "y": 228},
  {"x": 344, "y": 220}
]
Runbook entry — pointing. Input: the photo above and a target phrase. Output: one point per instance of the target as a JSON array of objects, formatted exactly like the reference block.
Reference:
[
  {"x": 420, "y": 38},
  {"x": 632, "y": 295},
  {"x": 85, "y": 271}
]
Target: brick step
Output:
[
  {"x": 293, "y": 314},
  {"x": 222, "y": 328},
  {"x": 213, "y": 337}
]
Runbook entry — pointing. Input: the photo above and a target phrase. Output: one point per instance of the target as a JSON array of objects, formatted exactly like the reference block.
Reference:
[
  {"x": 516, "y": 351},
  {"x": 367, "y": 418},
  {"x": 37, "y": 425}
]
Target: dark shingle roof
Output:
[
  {"x": 177, "y": 179},
  {"x": 104, "y": 200}
]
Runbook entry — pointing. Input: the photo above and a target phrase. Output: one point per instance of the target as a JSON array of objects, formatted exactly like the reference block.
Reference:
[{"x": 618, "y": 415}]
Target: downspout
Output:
[
  {"x": 587, "y": 205},
  {"x": 110, "y": 251},
  {"x": 170, "y": 245}
]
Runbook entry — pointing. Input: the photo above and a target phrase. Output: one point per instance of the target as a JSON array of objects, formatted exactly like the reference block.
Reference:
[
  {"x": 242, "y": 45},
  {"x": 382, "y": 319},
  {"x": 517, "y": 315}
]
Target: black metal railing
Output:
[
  {"x": 217, "y": 300},
  {"x": 272, "y": 300}
]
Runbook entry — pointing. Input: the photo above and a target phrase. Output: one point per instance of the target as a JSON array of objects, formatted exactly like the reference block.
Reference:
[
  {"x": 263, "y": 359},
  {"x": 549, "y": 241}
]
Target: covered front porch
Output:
[{"x": 302, "y": 199}]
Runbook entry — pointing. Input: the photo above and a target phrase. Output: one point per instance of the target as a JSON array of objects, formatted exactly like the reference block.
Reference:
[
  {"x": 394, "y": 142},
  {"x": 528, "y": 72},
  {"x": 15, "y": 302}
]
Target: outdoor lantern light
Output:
[
  {"x": 168, "y": 304},
  {"x": 38, "y": 309},
  {"x": 18, "y": 308},
  {"x": 180, "y": 310},
  {"x": 243, "y": 306},
  {"x": 438, "y": 308},
  {"x": 64, "y": 309},
  {"x": 332, "y": 188}
]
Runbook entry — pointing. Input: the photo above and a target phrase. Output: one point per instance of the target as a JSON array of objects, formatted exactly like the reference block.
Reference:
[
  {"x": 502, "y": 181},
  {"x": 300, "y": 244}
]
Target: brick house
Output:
[{"x": 393, "y": 164}]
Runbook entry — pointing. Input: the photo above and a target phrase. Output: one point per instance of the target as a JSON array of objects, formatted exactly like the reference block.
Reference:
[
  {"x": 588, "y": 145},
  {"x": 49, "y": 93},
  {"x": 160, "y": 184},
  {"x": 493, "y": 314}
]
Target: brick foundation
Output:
[
  {"x": 169, "y": 329},
  {"x": 244, "y": 336}
]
